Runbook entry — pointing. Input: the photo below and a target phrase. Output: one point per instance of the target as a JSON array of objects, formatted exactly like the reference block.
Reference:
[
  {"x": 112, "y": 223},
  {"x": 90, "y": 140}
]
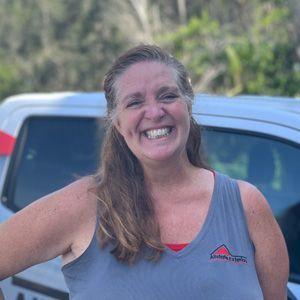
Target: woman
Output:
[{"x": 168, "y": 226}]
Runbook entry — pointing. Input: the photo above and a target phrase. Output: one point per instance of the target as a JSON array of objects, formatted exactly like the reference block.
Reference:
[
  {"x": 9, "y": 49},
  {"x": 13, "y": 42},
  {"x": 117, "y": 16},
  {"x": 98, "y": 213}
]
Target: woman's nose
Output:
[{"x": 154, "y": 111}]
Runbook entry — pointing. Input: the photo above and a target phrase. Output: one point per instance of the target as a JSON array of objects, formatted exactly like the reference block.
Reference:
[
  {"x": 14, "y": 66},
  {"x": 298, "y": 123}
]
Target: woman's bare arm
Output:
[
  {"x": 271, "y": 255},
  {"x": 43, "y": 230}
]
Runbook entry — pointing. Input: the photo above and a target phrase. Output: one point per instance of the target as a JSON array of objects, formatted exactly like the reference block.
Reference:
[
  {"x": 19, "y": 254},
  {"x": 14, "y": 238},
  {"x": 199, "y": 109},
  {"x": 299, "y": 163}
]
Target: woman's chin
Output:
[{"x": 160, "y": 157}]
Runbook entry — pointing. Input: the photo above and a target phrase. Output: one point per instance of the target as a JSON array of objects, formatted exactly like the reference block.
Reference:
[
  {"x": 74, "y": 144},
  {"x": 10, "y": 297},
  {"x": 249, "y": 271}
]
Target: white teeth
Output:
[{"x": 157, "y": 133}]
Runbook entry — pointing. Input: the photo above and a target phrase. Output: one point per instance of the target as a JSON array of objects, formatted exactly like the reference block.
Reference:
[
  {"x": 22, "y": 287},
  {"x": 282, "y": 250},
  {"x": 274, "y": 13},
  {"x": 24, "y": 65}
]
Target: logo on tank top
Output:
[{"x": 223, "y": 253}]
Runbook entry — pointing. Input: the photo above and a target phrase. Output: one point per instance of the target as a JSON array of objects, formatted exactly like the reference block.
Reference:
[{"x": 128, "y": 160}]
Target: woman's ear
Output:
[{"x": 117, "y": 125}]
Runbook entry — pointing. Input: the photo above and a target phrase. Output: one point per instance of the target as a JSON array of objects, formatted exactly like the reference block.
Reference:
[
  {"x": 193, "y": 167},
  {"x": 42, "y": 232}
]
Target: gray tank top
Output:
[{"x": 217, "y": 264}]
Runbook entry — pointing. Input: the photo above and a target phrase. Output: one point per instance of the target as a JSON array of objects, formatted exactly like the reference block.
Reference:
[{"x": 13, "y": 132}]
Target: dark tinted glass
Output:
[
  {"x": 51, "y": 153},
  {"x": 272, "y": 166}
]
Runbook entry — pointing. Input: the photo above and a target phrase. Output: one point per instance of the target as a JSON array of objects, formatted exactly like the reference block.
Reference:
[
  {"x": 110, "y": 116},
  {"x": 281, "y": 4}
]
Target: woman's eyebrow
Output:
[
  {"x": 164, "y": 89},
  {"x": 127, "y": 98}
]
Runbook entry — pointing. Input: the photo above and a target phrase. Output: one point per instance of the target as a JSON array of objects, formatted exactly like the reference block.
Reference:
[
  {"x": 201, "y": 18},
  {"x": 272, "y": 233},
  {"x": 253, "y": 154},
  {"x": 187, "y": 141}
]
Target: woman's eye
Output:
[
  {"x": 169, "y": 97},
  {"x": 134, "y": 103}
]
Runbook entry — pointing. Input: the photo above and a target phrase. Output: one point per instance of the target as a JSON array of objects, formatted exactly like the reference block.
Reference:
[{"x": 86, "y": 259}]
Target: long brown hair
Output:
[{"x": 126, "y": 213}]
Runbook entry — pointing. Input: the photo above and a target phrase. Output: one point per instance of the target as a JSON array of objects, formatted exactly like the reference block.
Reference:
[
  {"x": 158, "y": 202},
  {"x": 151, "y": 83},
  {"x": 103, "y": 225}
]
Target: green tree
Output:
[
  {"x": 230, "y": 47},
  {"x": 9, "y": 78},
  {"x": 59, "y": 45},
  {"x": 225, "y": 58}
]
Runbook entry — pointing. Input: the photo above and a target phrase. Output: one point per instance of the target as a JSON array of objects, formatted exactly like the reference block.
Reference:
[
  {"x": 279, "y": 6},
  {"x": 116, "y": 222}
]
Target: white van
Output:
[{"x": 48, "y": 140}]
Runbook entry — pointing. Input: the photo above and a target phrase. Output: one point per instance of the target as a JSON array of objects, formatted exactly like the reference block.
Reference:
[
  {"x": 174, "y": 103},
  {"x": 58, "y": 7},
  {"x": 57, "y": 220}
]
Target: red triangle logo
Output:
[{"x": 222, "y": 250}]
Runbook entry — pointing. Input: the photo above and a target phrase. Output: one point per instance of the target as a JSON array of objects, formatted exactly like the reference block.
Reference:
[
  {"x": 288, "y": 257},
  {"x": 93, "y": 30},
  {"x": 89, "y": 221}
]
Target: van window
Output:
[
  {"x": 50, "y": 153},
  {"x": 270, "y": 164}
]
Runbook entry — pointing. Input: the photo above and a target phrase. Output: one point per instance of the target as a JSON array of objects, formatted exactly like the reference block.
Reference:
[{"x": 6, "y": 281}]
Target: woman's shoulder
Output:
[
  {"x": 252, "y": 198},
  {"x": 76, "y": 201},
  {"x": 81, "y": 192},
  {"x": 257, "y": 209},
  {"x": 70, "y": 198},
  {"x": 64, "y": 212}
]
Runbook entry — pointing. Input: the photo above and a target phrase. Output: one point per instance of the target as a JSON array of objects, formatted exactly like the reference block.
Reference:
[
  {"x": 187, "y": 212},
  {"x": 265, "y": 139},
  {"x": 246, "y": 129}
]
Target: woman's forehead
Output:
[{"x": 146, "y": 75}]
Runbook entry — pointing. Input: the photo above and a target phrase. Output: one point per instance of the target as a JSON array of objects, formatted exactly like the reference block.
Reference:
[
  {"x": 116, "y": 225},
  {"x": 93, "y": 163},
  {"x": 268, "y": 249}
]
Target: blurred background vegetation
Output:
[{"x": 229, "y": 46}]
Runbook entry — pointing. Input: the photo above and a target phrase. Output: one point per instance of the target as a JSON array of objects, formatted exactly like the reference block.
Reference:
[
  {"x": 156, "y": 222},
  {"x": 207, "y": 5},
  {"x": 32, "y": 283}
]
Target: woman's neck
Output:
[{"x": 163, "y": 174}]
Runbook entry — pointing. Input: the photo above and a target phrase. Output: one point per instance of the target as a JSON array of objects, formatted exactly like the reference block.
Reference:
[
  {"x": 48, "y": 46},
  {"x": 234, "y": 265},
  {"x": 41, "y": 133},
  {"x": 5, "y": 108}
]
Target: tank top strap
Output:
[{"x": 230, "y": 212}]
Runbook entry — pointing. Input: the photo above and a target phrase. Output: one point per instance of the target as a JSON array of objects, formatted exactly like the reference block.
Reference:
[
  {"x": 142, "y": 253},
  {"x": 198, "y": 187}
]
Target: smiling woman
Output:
[
  {"x": 148, "y": 91},
  {"x": 168, "y": 225}
]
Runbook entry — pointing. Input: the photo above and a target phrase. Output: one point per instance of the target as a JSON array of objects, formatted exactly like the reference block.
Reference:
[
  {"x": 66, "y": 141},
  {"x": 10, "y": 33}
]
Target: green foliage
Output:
[
  {"x": 222, "y": 58},
  {"x": 58, "y": 45},
  {"x": 229, "y": 47},
  {"x": 9, "y": 78},
  {"x": 196, "y": 44}
]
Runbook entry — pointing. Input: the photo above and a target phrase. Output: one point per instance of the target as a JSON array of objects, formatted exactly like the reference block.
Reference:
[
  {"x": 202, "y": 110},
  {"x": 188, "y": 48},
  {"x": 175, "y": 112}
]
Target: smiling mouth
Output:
[{"x": 158, "y": 133}]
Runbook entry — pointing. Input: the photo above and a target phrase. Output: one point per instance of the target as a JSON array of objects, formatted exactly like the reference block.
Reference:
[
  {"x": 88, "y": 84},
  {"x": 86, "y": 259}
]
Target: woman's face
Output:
[{"x": 152, "y": 115}]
